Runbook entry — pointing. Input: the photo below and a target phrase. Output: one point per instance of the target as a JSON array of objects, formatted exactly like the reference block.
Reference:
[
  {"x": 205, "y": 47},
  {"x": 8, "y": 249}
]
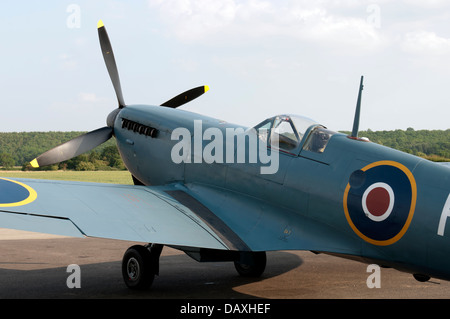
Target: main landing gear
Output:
[
  {"x": 252, "y": 264},
  {"x": 140, "y": 264}
]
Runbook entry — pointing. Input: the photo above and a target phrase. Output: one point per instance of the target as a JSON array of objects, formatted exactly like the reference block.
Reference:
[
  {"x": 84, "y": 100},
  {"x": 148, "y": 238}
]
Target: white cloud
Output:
[
  {"x": 428, "y": 4},
  {"x": 219, "y": 21},
  {"x": 67, "y": 61},
  {"x": 425, "y": 42},
  {"x": 90, "y": 97},
  {"x": 193, "y": 20},
  {"x": 280, "y": 51}
]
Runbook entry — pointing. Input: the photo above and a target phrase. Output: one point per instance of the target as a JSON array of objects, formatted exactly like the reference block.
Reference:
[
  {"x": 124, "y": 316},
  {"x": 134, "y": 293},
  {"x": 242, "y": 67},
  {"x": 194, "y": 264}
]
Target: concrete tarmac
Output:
[{"x": 36, "y": 266}]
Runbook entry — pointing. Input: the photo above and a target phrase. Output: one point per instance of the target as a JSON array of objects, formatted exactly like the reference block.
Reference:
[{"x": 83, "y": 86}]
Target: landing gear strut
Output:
[{"x": 140, "y": 264}]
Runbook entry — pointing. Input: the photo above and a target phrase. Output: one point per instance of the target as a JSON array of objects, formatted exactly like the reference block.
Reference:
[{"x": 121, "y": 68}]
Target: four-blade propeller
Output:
[{"x": 90, "y": 140}]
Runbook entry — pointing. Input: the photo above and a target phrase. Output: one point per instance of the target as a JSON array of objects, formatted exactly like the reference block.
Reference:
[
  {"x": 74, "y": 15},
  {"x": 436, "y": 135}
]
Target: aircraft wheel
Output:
[
  {"x": 421, "y": 278},
  {"x": 255, "y": 267},
  {"x": 137, "y": 267}
]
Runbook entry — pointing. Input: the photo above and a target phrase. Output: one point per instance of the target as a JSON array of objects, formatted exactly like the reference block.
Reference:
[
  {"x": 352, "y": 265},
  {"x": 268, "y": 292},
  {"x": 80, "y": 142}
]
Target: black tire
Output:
[
  {"x": 255, "y": 268},
  {"x": 421, "y": 278},
  {"x": 137, "y": 269}
]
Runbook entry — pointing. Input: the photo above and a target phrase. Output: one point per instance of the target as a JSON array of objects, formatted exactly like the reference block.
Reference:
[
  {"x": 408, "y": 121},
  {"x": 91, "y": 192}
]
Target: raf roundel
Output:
[
  {"x": 379, "y": 202},
  {"x": 13, "y": 193}
]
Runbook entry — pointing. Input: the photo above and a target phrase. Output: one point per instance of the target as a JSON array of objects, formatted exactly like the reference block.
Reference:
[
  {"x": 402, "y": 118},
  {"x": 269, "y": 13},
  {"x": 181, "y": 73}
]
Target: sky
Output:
[{"x": 260, "y": 58}]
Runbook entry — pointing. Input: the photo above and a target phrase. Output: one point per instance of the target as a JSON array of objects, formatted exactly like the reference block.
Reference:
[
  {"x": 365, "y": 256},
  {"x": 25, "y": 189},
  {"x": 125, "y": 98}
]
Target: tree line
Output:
[
  {"x": 431, "y": 144},
  {"x": 18, "y": 149}
]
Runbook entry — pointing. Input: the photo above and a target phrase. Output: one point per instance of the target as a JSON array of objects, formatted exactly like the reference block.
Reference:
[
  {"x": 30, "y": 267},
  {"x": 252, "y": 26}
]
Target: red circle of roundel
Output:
[{"x": 379, "y": 202}]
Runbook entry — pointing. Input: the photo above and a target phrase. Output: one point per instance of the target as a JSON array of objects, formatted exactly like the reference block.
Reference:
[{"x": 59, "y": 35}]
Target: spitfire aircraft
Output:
[{"x": 223, "y": 192}]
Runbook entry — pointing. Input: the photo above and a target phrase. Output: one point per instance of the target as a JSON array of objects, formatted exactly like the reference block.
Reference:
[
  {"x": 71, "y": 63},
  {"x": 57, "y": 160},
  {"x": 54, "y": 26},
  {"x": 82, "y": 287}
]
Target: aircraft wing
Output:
[
  {"x": 176, "y": 215},
  {"x": 134, "y": 213}
]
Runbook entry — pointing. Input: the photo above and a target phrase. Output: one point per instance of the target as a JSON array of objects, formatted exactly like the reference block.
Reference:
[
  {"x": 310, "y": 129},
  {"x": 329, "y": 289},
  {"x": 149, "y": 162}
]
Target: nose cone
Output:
[{"x": 112, "y": 118}]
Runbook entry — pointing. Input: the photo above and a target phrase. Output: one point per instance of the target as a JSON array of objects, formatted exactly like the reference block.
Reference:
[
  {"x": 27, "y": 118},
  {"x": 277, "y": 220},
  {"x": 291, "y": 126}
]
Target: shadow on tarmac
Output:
[{"x": 180, "y": 277}]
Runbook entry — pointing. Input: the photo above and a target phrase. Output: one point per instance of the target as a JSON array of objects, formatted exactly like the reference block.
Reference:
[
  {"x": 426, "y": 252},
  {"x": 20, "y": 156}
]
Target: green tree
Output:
[
  {"x": 111, "y": 155},
  {"x": 85, "y": 166},
  {"x": 6, "y": 160}
]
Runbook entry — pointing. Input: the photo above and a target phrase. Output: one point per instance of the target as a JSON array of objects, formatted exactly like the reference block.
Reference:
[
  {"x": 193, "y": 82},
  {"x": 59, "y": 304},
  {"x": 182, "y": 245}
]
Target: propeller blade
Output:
[
  {"x": 186, "y": 97},
  {"x": 110, "y": 62},
  {"x": 73, "y": 148}
]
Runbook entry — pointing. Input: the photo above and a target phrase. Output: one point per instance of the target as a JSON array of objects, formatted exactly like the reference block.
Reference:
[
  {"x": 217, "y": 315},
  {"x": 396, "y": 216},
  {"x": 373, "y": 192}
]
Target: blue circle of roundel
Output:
[
  {"x": 14, "y": 193},
  {"x": 400, "y": 180}
]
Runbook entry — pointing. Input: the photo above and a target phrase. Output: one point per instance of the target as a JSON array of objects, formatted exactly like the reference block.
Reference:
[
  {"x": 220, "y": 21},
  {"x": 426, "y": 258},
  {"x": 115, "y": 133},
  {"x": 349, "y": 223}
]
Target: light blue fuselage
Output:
[{"x": 309, "y": 188}]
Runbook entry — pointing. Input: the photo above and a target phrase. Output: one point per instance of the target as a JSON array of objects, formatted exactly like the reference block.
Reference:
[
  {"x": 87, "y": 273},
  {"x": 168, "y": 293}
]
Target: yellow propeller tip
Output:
[
  {"x": 206, "y": 88},
  {"x": 100, "y": 24},
  {"x": 34, "y": 163}
]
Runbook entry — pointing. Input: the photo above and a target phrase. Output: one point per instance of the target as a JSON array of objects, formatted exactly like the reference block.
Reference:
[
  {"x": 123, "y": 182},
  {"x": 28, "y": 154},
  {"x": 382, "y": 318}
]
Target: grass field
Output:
[{"x": 114, "y": 177}]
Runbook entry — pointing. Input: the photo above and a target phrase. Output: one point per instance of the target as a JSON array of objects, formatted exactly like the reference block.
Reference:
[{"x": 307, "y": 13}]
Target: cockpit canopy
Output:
[{"x": 288, "y": 132}]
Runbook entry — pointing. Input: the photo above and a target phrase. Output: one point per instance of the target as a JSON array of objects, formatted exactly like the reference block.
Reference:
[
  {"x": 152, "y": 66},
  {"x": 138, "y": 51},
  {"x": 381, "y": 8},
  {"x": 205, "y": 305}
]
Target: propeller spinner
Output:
[{"x": 90, "y": 140}]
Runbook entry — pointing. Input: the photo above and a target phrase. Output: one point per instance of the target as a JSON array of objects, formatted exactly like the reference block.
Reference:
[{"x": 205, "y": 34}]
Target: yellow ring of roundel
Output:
[
  {"x": 31, "y": 197},
  {"x": 411, "y": 210}
]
